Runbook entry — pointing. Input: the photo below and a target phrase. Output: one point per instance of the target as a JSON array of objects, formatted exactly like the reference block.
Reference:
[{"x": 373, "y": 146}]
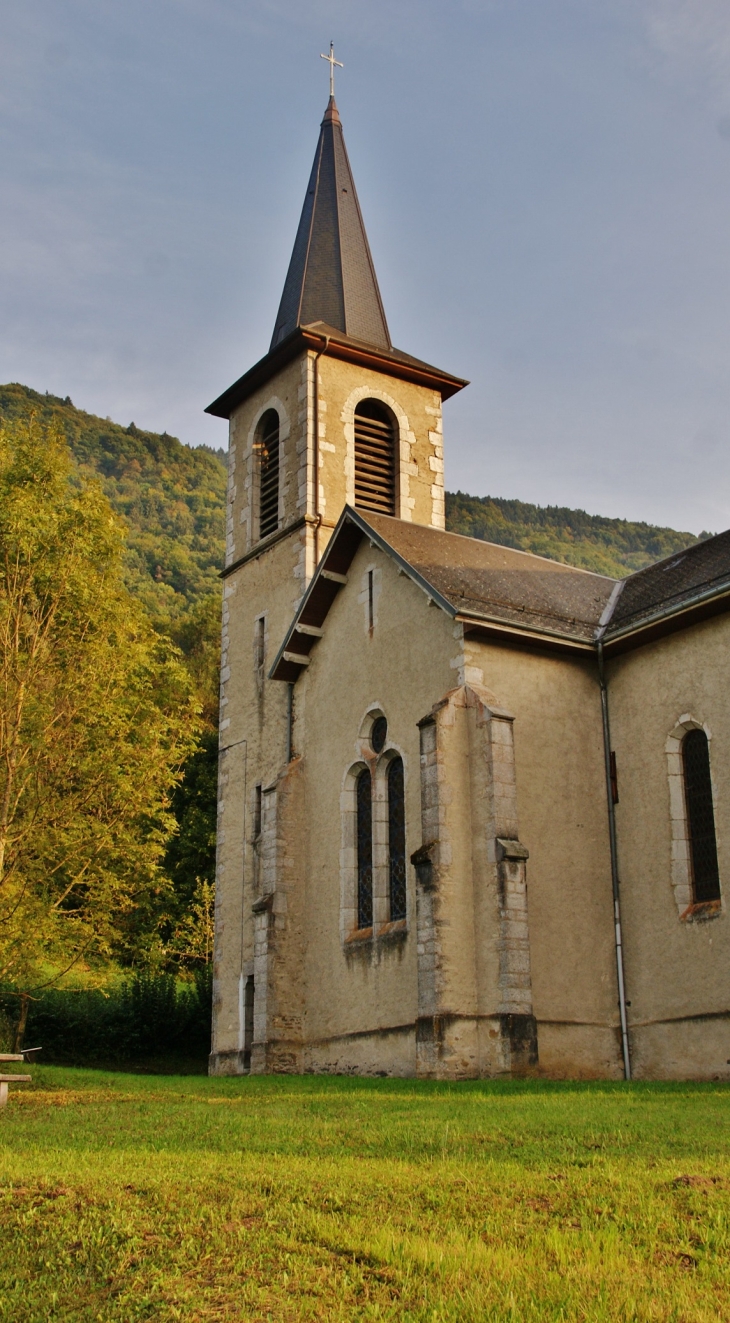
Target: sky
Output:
[{"x": 545, "y": 185}]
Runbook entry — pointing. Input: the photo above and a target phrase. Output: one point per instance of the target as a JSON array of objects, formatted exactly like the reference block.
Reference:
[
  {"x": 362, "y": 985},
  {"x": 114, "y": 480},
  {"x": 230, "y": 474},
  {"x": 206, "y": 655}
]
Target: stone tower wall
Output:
[{"x": 264, "y": 582}]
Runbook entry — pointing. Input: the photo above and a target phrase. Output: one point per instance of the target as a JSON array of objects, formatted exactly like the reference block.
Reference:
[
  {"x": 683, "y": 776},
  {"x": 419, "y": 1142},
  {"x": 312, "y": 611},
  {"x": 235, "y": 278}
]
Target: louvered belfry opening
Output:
[
  {"x": 375, "y": 458},
  {"x": 267, "y": 450},
  {"x": 701, "y": 816}
]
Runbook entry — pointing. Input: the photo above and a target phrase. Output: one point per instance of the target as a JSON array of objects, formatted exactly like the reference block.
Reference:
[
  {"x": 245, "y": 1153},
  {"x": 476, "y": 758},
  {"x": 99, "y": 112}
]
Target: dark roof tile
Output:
[
  {"x": 331, "y": 276},
  {"x": 499, "y": 583},
  {"x": 671, "y": 583}
]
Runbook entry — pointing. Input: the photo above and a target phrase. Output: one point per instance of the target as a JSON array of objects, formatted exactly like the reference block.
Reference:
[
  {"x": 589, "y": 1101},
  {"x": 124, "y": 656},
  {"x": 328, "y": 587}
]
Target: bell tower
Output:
[{"x": 332, "y": 415}]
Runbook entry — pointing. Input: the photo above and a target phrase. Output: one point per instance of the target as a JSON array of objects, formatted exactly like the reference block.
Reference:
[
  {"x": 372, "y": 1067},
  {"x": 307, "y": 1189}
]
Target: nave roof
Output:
[
  {"x": 498, "y": 591},
  {"x": 489, "y": 587}
]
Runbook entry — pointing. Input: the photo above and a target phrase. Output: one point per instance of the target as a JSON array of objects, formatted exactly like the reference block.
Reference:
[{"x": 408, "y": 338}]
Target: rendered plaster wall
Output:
[
  {"x": 357, "y": 988},
  {"x": 561, "y": 806},
  {"x": 677, "y": 963}
]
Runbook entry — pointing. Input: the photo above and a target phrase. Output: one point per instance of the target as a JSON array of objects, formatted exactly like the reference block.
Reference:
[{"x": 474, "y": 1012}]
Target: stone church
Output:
[{"x": 474, "y": 805}]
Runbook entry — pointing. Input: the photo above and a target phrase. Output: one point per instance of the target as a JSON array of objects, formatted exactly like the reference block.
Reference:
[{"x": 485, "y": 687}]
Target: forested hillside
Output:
[
  {"x": 172, "y": 498},
  {"x": 608, "y": 546}
]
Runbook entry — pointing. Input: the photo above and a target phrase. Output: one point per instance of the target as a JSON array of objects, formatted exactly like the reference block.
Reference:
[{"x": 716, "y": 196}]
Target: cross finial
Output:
[{"x": 332, "y": 62}]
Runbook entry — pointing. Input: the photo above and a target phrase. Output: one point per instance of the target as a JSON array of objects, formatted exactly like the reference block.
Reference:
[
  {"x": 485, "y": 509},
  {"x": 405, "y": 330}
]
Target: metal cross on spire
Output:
[{"x": 332, "y": 62}]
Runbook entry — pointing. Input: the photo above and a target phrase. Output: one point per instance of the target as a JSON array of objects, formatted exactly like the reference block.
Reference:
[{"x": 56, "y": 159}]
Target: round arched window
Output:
[
  {"x": 267, "y": 451},
  {"x": 375, "y": 458}
]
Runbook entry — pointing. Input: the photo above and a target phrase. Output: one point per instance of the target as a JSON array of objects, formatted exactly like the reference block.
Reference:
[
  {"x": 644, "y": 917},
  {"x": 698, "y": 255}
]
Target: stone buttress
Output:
[{"x": 475, "y": 1015}]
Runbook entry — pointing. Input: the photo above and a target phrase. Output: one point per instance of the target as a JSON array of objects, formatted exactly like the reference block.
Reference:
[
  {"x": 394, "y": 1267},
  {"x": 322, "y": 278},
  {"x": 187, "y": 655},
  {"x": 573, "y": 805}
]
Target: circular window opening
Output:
[{"x": 378, "y": 734}]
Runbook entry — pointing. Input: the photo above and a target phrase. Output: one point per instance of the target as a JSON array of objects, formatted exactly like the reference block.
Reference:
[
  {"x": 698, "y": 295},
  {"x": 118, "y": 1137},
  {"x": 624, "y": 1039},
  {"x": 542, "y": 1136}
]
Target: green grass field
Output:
[{"x": 126, "y": 1197}]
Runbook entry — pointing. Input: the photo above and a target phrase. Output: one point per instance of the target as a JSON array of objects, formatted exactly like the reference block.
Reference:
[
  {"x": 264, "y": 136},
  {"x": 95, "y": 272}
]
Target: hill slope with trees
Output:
[
  {"x": 614, "y": 547},
  {"x": 172, "y": 498}
]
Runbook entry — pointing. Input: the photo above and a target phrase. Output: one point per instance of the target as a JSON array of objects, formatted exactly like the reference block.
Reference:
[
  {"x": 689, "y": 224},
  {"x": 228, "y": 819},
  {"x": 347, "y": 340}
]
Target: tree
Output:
[{"x": 96, "y": 719}]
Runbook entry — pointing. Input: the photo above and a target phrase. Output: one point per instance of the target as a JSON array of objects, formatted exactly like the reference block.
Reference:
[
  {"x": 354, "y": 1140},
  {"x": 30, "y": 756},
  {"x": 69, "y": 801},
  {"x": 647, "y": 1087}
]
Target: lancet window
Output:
[
  {"x": 267, "y": 458},
  {"x": 396, "y": 840},
  {"x": 364, "y": 849},
  {"x": 700, "y": 816},
  {"x": 375, "y": 458}
]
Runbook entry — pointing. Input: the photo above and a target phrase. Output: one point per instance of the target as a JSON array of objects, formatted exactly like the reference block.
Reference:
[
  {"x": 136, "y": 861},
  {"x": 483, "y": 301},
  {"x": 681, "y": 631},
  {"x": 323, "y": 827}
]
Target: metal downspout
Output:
[
  {"x": 315, "y": 457},
  {"x": 289, "y": 721},
  {"x": 614, "y": 860}
]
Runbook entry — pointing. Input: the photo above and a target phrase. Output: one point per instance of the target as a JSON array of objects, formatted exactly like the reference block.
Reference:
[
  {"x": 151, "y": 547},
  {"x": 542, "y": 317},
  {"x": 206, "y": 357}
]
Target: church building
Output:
[{"x": 474, "y": 805}]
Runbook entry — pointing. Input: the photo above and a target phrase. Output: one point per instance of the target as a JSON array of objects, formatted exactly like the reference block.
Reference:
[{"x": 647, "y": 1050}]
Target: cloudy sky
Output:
[{"x": 545, "y": 183}]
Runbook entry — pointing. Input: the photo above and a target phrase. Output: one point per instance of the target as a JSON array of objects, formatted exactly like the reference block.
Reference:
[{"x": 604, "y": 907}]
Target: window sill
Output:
[
  {"x": 359, "y": 935},
  {"x": 395, "y": 928},
  {"x": 392, "y": 930},
  {"x": 701, "y": 911}
]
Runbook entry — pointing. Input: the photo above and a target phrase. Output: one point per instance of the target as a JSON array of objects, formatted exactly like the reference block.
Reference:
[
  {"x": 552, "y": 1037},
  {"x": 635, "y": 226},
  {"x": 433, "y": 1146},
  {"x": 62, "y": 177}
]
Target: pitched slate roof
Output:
[
  {"x": 692, "y": 578},
  {"x": 490, "y": 582},
  {"x": 490, "y": 587},
  {"x": 498, "y": 591},
  {"x": 331, "y": 276}
]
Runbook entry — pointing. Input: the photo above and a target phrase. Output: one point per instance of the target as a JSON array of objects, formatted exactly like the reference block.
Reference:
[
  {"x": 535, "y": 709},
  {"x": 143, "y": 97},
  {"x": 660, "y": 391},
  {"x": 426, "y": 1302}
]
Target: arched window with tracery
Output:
[
  {"x": 364, "y": 798},
  {"x": 267, "y": 459},
  {"x": 700, "y": 816},
  {"x": 396, "y": 840},
  {"x": 375, "y": 458}
]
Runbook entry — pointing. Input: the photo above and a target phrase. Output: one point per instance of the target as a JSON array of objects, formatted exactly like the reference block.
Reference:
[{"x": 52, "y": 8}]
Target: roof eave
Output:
[
  {"x": 388, "y": 361},
  {"x": 493, "y": 627},
  {"x": 331, "y": 574},
  {"x": 339, "y": 346},
  {"x": 283, "y": 667},
  {"x": 258, "y": 375},
  {"x": 700, "y": 606}
]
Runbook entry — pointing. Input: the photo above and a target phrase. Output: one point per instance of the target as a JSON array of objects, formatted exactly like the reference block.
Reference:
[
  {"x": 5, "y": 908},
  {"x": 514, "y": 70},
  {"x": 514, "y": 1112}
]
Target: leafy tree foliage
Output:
[
  {"x": 198, "y": 636},
  {"x": 97, "y": 719},
  {"x": 145, "y": 1017},
  {"x": 171, "y": 497}
]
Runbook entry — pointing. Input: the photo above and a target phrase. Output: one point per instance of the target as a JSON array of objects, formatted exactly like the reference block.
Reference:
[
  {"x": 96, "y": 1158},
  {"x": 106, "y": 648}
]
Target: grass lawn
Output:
[{"x": 126, "y": 1197}]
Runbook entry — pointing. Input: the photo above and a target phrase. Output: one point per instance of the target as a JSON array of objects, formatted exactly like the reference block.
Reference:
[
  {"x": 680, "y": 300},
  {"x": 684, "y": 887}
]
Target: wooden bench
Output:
[{"x": 5, "y": 1080}]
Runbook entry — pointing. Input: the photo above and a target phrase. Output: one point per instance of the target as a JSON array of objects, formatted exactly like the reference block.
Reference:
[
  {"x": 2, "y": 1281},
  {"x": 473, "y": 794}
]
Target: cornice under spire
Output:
[{"x": 331, "y": 277}]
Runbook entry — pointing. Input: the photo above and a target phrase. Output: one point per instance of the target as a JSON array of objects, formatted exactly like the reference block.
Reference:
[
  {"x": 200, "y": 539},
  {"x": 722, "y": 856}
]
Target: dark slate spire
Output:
[{"x": 331, "y": 277}]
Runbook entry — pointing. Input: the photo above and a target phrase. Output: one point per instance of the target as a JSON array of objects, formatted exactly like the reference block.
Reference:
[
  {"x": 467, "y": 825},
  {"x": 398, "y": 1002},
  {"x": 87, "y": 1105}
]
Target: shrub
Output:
[{"x": 146, "y": 1017}]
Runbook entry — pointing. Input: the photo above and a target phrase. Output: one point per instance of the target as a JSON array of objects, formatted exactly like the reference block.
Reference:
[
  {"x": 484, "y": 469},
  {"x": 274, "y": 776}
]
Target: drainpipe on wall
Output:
[
  {"x": 289, "y": 721},
  {"x": 317, "y": 516},
  {"x": 614, "y": 854}
]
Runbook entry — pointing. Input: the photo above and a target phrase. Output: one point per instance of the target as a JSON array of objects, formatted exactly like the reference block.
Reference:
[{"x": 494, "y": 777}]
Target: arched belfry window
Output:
[
  {"x": 267, "y": 455},
  {"x": 375, "y": 458},
  {"x": 364, "y": 849},
  {"x": 700, "y": 816},
  {"x": 396, "y": 840}
]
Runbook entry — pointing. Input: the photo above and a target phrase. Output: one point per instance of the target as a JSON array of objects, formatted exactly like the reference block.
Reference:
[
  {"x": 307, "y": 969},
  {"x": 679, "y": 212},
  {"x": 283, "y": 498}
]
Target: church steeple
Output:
[{"x": 331, "y": 277}]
